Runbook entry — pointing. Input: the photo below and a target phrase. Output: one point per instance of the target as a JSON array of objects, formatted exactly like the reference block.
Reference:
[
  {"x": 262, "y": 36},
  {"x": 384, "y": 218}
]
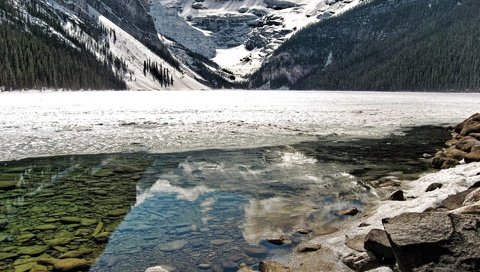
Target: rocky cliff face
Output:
[{"x": 243, "y": 33}]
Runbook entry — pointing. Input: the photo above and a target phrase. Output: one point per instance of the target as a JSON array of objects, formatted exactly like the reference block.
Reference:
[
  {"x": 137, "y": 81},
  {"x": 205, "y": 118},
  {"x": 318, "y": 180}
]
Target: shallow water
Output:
[{"x": 214, "y": 208}]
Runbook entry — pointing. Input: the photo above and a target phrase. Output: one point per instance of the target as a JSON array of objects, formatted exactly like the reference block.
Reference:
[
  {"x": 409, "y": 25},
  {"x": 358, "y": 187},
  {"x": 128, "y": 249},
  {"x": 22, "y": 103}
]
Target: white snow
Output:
[
  {"x": 454, "y": 180},
  {"x": 135, "y": 53},
  {"x": 54, "y": 123}
]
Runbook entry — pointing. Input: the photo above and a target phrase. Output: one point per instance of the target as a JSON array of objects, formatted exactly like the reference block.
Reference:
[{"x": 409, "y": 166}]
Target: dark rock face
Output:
[
  {"x": 435, "y": 241},
  {"x": 377, "y": 243}
]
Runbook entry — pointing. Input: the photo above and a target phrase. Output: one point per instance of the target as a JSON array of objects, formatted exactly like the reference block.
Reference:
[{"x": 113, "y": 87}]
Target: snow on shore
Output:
[{"x": 454, "y": 180}]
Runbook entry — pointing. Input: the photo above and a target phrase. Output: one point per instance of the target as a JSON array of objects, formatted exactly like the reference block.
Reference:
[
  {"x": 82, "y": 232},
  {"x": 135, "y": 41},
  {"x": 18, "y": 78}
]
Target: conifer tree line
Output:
[
  {"x": 158, "y": 72},
  {"x": 32, "y": 58}
]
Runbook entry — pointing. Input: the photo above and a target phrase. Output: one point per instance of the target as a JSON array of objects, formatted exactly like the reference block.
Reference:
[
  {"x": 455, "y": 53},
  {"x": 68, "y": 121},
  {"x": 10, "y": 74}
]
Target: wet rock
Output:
[
  {"x": 433, "y": 186},
  {"x": 472, "y": 157},
  {"x": 470, "y": 209},
  {"x": 361, "y": 261},
  {"x": 308, "y": 247},
  {"x": 67, "y": 265},
  {"x": 3, "y": 224},
  {"x": 474, "y": 118},
  {"x": 102, "y": 237},
  {"x": 435, "y": 241},
  {"x": 377, "y": 242},
  {"x": 204, "y": 266},
  {"x": 7, "y": 185},
  {"x": 45, "y": 227},
  {"x": 7, "y": 255},
  {"x": 25, "y": 237},
  {"x": 70, "y": 220},
  {"x": 39, "y": 268},
  {"x": 98, "y": 229},
  {"x": 173, "y": 246},
  {"x": 245, "y": 268},
  {"x": 255, "y": 251},
  {"x": 75, "y": 253},
  {"x": 397, "y": 196},
  {"x": 118, "y": 212},
  {"x": 352, "y": 211},
  {"x": 24, "y": 267},
  {"x": 219, "y": 242},
  {"x": 455, "y": 201},
  {"x": 32, "y": 250},
  {"x": 156, "y": 269},
  {"x": 280, "y": 240},
  {"x": 363, "y": 224}
]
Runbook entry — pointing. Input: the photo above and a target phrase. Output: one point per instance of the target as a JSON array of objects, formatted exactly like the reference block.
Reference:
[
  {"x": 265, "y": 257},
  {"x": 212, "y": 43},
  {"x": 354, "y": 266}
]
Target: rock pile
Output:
[{"x": 464, "y": 145}]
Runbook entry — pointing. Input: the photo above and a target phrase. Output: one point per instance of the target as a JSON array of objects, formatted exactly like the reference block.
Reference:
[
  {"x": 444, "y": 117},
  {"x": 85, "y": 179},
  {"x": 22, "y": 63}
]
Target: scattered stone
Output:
[
  {"x": 156, "y": 269},
  {"x": 39, "y": 268},
  {"x": 377, "y": 242},
  {"x": 46, "y": 227},
  {"x": 472, "y": 157},
  {"x": 7, "y": 255},
  {"x": 303, "y": 230},
  {"x": 32, "y": 250},
  {"x": 352, "y": 211},
  {"x": 25, "y": 237},
  {"x": 397, "y": 196},
  {"x": 7, "y": 185},
  {"x": 67, "y": 265},
  {"x": 173, "y": 246},
  {"x": 219, "y": 242},
  {"x": 361, "y": 261},
  {"x": 204, "y": 266},
  {"x": 281, "y": 240},
  {"x": 356, "y": 242},
  {"x": 255, "y": 251},
  {"x": 308, "y": 247},
  {"x": 118, "y": 212},
  {"x": 271, "y": 266},
  {"x": 75, "y": 253},
  {"x": 70, "y": 220},
  {"x": 3, "y": 224},
  {"x": 434, "y": 186},
  {"x": 98, "y": 229},
  {"x": 435, "y": 241},
  {"x": 363, "y": 224},
  {"x": 102, "y": 237},
  {"x": 245, "y": 268},
  {"x": 24, "y": 267}
]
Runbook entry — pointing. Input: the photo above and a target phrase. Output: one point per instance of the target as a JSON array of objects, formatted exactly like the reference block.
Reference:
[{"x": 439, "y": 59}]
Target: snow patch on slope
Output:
[{"x": 134, "y": 53}]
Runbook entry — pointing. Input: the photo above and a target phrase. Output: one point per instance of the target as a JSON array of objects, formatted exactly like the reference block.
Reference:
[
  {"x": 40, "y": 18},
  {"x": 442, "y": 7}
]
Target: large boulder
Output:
[
  {"x": 377, "y": 242},
  {"x": 460, "y": 127},
  {"x": 435, "y": 241}
]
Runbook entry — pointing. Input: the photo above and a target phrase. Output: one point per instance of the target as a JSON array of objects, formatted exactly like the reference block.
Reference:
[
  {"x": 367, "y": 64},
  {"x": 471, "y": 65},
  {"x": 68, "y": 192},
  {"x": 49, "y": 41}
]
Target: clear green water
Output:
[{"x": 206, "y": 210}]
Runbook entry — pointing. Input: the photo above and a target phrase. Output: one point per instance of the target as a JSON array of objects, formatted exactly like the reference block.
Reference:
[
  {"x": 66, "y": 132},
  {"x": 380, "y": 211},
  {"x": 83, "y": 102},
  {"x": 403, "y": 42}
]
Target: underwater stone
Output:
[
  {"x": 173, "y": 246},
  {"x": 7, "y": 185},
  {"x": 45, "y": 227},
  {"x": 32, "y": 250}
]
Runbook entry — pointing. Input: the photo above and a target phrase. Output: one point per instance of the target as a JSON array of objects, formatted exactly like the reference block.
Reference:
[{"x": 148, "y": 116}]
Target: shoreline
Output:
[{"x": 430, "y": 196}]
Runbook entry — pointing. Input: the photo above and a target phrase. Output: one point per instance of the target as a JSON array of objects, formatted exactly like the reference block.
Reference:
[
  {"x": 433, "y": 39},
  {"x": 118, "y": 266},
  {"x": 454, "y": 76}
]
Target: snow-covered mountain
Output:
[
  {"x": 82, "y": 22},
  {"x": 239, "y": 34}
]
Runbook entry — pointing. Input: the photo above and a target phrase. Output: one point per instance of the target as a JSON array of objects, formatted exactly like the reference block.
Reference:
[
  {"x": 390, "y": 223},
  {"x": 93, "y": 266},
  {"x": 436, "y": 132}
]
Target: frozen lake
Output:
[
  {"x": 220, "y": 173},
  {"x": 53, "y": 123}
]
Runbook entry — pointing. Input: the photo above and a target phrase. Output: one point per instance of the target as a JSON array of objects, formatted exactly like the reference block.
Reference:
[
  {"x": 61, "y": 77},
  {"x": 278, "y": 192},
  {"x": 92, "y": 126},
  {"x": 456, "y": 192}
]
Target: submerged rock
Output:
[
  {"x": 7, "y": 185},
  {"x": 32, "y": 250},
  {"x": 67, "y": 265},
  {"x": 255, "y": 251},
  {"x": 173, "y": 246},
  {"x": 281, "y": 240},
  {"x": 435, "y": 241}
]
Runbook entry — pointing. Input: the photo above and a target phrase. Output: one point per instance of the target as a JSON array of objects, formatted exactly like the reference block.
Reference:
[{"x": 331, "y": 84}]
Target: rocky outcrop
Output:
[
  {"x": 435, "y": 241},
  {"x": 464, "y": 145}
]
